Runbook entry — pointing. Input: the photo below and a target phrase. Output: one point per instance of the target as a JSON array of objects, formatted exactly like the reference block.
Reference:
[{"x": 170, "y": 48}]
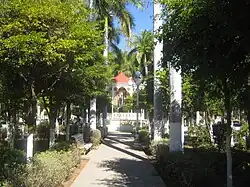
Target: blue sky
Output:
[{"x": 143, "y": 21}]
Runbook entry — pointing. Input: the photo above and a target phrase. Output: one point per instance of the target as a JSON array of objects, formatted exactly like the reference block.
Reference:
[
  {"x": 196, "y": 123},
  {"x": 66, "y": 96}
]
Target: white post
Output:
[
  {"x": 38, "y": 116},
  {"x": 158, "y": 124},
  {"x": 105, "y": 54},
  {"x": 29, "y": 147},
  {"x": 112, "y": 103},
  {"x": 87, "y": 116},
  {"x": 93, "y": 113},
  {"x": 198, "y": 117},
  {"x": 176, "y": 126}
]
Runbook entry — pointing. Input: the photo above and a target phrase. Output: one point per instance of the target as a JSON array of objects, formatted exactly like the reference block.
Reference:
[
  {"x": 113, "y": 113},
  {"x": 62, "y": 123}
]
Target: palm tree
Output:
[
  {"x": 143, "y": 47},
  {"x": 107, "y": 10}
]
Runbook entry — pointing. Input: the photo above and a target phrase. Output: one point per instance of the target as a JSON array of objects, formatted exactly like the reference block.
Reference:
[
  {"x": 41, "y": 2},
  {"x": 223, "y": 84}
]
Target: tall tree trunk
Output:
[
  {"x": 33, "y": 104},
  {"x": 158, "y": 121},
  {"x": 68, "y": 114},
  {"x": 145, "y": 64},
  {"x": 228, "y": 109},
  {"x": 175, "y": 120},
  {"x": 93, "y": 113},
  {"x": 105, "y": 54},
  {"x": 52, "y": 113}
]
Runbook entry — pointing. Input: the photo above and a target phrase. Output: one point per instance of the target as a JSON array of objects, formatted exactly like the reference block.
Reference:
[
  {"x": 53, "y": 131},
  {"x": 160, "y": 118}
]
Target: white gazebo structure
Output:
[{"x": 122, "y": 87}]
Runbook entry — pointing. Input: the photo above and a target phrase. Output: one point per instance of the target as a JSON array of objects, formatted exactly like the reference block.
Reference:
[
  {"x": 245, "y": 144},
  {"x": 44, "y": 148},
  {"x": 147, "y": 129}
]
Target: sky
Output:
[{"x": 143, "y": 21}]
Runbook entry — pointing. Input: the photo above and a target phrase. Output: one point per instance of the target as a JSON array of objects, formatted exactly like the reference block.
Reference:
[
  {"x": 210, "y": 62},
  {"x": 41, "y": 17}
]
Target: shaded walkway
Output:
[{"x": 118, "y": 163}]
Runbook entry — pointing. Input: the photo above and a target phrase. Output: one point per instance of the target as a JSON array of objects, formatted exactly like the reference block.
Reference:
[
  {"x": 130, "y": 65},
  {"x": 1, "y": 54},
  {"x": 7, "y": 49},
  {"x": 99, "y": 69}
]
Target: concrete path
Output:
[{"x": 117, "y": 163}]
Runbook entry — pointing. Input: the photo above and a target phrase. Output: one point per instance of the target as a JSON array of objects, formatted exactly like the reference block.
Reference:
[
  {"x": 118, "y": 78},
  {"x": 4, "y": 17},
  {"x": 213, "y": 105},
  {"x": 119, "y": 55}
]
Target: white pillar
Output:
[
  {"x": 176, "y": 126},
  {"x": 158, "y": 122},
  {"x": 38, "y": 115},
  {"x": 112, "y": 103},
  {"x": 105, "y": 54},
  {"x": 29, "y": 150},
  {"x": 93, "y": 113},
  {"x": 87, "y": 116},
  {"x": 198, "y": 117}
]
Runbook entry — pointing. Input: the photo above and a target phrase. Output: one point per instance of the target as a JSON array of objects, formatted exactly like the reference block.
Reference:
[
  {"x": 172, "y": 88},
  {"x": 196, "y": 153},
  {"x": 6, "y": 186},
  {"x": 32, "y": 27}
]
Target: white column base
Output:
[
  {"x": 176, "y": 137},
  {"x": 93, "y": 113},
  {"x": 158, "y": 130}
]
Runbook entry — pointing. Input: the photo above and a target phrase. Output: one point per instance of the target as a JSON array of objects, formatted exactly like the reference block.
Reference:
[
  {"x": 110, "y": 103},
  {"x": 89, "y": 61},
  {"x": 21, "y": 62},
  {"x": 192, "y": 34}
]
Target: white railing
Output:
[{"x": 124, "y": 116}]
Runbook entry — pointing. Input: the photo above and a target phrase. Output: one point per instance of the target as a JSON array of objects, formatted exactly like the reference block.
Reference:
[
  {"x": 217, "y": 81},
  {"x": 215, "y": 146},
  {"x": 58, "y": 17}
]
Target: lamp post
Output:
[{"x": 138, "y": 80}]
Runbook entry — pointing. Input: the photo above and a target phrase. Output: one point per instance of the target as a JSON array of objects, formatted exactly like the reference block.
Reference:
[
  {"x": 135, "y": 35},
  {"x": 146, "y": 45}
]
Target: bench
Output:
[{"x": 78, "y": 139}]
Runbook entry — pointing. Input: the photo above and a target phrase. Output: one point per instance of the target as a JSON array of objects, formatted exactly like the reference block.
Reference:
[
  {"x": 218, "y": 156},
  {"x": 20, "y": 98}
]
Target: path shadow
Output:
[
  {"x": 130, "y": 173},
  {"x": 131, "y": 143},
  {"x": 111, "y": 143}
]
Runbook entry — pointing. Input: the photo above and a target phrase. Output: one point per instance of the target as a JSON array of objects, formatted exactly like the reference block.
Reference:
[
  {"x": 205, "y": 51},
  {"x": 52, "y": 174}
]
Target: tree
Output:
[
  {"x": 48, "y": 43},
  {"x": 210, "y": 39},
  {"x": 142, "y": 46}
]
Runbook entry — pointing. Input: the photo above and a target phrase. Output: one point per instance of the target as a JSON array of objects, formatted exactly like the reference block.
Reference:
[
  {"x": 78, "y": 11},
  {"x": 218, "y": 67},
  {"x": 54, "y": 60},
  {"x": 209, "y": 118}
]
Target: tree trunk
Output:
[
  {"x": 105, "y": 54},
  {"x": 52, "y": 119},
  {"x": 145, "y": 65},
  {"x": 175, "y": 119},
  {"x": 93, "y": 113},
  {"x": 67, "y": 125},
  {"x": 158, "y": 121},
  {"x": 228, "y": 109},
  {"x": 33, "y": 104}
]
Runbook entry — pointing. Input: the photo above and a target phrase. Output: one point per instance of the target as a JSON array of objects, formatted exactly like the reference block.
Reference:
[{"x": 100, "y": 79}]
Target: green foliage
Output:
[
  {"x": 64, "y": 146},
  {"x": 240, "y": 137},
  {"x": 95, "y": 137},
  {"x": 144, "y": 136},
  {"x": 199, "y": 136},
  {"x": 51, "y": 168},
  {"x": 200, "y": 167},
  {"x": 159, "y": 148},
  {"x": 11, "y": 165},
  {"x": 42, "y": 130}
]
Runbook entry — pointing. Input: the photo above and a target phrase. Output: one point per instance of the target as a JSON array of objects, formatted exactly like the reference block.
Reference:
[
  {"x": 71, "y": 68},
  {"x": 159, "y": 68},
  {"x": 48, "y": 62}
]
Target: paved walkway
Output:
[{"x": 116, "y": 164}]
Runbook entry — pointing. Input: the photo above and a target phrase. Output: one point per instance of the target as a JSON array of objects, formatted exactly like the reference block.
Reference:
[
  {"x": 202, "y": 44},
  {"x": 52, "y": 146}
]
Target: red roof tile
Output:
[{"x": 121, "y": 78}]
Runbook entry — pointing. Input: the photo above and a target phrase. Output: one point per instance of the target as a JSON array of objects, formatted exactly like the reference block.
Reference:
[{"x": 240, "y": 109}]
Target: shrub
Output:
[
  {"x": 159, "y": 148},
  {"x": 199, "y": 136},
  {"x": 240, "y": 137},
  {"x": 95, "y": 137},
  {"x": 11, "y": 165},
  {"x": 193, "y": 168},
  {"x": 52, "y": 167},
  {"x": 144, "y": 136},
  {"x": 42, "y": 130},
  {"x": 65, "y": 146}
]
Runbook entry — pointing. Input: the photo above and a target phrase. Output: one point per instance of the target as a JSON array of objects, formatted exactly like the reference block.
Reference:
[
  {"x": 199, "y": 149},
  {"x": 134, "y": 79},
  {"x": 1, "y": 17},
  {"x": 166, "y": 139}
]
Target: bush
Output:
[
  {"x": 52, "y": 167},
  {"x": 240, "y": 136},
  {"x": 199, "y": 167},
  {"x": 144, "y": 136},
  {"x": 11, "y": 165},
  {"x": 42, "y": 130},
  {"x": 59, "y": 146},
  {"x": 199, "y": 136},
  {"x": 95, "y": 137},
  {"x": 159, "y": 148}
]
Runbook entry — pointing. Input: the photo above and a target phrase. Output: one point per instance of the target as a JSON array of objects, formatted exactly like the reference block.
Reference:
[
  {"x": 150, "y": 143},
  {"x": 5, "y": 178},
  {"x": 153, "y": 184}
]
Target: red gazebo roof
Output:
[{"x": 121, "y": 78}]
